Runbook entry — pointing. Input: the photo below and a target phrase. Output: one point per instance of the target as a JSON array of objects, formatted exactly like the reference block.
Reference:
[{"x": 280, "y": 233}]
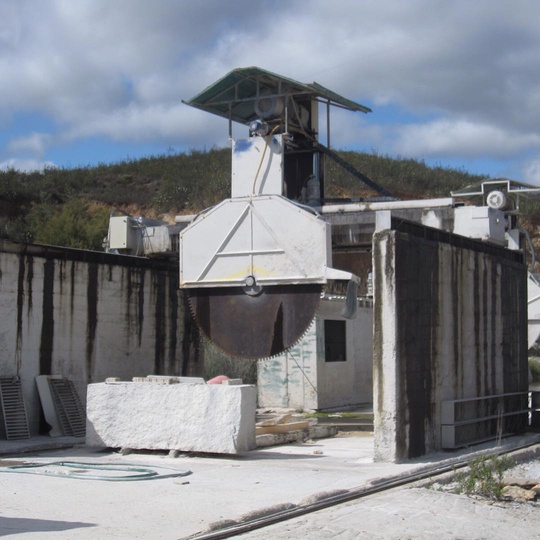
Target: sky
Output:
[{"x": 454, "y": 83}]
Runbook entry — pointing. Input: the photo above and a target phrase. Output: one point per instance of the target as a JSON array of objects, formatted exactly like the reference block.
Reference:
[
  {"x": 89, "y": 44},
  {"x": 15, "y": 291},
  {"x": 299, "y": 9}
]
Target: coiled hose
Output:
[{"x": 136, "y": 471}]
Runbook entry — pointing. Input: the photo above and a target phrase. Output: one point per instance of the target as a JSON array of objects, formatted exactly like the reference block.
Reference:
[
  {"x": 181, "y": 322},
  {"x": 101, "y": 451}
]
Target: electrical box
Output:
[
  {"x": 480, "y": 222},
  {"x": 122, "y": 234}
]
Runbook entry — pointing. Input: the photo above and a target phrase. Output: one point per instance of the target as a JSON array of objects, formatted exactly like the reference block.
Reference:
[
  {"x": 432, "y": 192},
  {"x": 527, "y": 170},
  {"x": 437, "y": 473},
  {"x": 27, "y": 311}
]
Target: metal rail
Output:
[{"x": 350, "y": 495}]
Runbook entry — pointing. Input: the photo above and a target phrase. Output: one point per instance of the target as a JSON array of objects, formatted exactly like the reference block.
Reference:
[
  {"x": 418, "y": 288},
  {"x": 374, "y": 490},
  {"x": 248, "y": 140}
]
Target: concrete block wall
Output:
[
  {"x": 350, "y": 383},
  {"x": 290, "y": 380},
  {"x": 449, "y": 323},
  {"x": 301, "y": 378},
  {"x": 88, "y": 316}
]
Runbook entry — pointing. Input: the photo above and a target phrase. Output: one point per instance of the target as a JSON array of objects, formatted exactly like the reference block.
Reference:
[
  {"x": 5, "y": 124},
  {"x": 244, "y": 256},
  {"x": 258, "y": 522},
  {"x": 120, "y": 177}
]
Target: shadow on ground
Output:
[{"x": 10, "y": 526}]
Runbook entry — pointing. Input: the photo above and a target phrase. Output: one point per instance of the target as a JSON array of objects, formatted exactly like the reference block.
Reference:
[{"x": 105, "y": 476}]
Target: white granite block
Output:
[{"x": 186, "y": 417}]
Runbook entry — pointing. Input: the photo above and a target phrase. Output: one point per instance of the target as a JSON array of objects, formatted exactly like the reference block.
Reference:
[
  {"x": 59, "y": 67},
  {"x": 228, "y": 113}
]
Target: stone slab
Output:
[
  {"x": 187, "y": 417},
  {"x": 47, "y": 404},
  {"x": 282, "y": 428},
  {"x": 313, "y": 432}
]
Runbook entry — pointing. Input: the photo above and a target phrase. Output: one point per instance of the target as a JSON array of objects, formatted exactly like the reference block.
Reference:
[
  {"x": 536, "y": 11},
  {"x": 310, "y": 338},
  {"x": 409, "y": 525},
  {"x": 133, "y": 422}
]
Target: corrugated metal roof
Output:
[
  {"x": 232, "y": 96},
  {"x": 524, "y": 196},
  {"x": 484, "y": 186}
]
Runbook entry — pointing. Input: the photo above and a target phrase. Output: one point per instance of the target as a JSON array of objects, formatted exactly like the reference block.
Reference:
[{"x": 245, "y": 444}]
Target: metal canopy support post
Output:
[
  {"x": 286, "y": 114},
  {"x": 328, "y": 123}
]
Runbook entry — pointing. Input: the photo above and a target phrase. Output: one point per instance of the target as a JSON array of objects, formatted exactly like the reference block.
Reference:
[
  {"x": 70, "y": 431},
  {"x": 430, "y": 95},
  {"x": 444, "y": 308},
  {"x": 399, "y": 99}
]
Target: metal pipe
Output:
[
  {"x": 389, "y": 205},
  {"x": 188, "y": 218},
  {"x": 286, "y": 114},
  {"x": 328, "y": 123}
]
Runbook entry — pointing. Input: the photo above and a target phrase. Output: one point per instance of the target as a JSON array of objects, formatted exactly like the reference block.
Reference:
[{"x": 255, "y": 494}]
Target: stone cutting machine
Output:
[{"x": 254, "y": 266}]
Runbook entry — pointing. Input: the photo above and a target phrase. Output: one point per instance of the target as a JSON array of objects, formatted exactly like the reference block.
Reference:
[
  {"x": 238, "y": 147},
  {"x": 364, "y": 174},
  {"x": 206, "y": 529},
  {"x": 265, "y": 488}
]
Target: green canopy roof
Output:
[{"x": 232, "y": 96}]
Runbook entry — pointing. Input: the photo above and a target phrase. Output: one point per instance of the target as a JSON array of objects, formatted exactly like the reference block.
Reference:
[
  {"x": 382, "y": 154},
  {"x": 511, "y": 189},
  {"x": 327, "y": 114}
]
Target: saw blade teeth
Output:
[
  {"x": 200, "y": 326},
  {"x": 191, "y": 308},
  {"x": 301, "y": 337},
  {"x": 252, "y": 328},
  {"x": 288, "y": 348}
]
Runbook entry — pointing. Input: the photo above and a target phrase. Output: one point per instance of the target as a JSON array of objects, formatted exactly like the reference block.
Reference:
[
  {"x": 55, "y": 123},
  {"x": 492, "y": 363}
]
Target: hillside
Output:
[{"x": 70, "y": 207}]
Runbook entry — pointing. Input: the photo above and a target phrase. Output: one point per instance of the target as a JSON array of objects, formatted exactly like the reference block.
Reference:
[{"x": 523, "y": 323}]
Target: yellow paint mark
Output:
[{"x": 257, "y": 271}]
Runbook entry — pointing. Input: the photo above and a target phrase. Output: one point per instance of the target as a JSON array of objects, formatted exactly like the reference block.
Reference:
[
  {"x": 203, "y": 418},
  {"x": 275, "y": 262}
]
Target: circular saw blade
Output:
[{"x": 260, "y": 326}]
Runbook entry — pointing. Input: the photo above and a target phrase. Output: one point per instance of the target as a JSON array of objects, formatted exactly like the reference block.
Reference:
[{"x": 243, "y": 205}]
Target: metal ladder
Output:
[
  {"x": 15, "y": 421},
  {"x": 68, "y": 407}
]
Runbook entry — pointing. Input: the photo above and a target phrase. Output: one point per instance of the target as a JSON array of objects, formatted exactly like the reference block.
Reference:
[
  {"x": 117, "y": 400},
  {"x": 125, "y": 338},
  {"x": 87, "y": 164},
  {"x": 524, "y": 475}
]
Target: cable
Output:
[
  {"x": 303, "y": 372},
  {"x": 267, "y": 142},
  {"x": 531, "y": 247}
]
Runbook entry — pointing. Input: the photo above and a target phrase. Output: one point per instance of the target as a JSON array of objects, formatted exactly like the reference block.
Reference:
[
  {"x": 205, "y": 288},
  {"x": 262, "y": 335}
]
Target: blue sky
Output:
[{"x": 453, "y": 83}]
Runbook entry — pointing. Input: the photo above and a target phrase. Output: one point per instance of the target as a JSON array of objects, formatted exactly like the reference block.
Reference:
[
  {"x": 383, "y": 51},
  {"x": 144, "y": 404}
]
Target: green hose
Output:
[{"x": 137, "y": 472}]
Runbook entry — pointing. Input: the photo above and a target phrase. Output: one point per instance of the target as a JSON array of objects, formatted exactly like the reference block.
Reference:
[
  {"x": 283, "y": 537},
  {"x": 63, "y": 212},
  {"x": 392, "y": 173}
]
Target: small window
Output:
[{"x": 335, "y": 346}]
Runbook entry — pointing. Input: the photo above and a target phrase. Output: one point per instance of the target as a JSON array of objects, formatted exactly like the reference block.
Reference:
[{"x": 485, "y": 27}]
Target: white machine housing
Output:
[
  {"x": 481, "y": 222},
  {"x": 267, "y": 238}
]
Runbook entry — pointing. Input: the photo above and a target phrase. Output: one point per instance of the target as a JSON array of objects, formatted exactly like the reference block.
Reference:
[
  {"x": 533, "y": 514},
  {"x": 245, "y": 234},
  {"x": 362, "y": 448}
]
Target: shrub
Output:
[
  {"x": 534, "y": 366},
  {"x": 217, "y": 362},
  {"x": 76, "y": 224},
  {"x": 184, "y": 182},
  {"x": 485, "y": 476}
]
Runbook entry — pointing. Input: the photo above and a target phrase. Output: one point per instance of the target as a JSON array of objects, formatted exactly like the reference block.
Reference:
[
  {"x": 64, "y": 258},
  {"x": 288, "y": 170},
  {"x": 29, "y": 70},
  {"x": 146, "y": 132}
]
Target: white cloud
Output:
[
  {"x": 26, "y": 165},
  {"x": 177, "y": 124},
  {"x": 34, "y": 144},
  {"x": 120, "y": 69},
  {"x": 462, "y": 137},
  {"x": 531, "y": 172}
]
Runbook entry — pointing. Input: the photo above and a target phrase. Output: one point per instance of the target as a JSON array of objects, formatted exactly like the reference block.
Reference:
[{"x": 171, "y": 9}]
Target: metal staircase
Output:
[{"x": 15, "y": 421}]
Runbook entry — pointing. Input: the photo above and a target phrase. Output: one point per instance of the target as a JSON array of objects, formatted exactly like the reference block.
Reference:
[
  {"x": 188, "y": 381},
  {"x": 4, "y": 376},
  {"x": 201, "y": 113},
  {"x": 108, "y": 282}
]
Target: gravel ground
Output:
[
  {"x": 527, "y": 470},
  {"x": 415, "y": 513},
  {"x": 420, "y": 513}
]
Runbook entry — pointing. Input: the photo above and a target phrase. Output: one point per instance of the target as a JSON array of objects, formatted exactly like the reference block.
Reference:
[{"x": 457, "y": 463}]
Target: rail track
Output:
[{"x": 270, "y": 517}]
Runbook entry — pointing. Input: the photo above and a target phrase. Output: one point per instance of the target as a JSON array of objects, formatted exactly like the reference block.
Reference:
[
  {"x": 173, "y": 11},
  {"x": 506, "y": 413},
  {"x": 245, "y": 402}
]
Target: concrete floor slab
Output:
[{"x": 219, "y": 488}]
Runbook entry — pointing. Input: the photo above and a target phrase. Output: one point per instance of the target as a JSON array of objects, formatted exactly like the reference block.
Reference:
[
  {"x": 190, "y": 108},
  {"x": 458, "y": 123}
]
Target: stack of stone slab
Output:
[{"x": 283, "y": 429}]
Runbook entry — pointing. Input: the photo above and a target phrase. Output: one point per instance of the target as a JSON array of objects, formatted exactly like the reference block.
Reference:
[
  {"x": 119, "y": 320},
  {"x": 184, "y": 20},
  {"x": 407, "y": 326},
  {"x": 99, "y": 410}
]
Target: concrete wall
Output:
[
  {"x": 302, "y": 379},
  {"x": 449, "y": 323},
  {"x": 290, "y": 380},
  {"x": 88, "y": 316},
  {"x": 350, "y": 383}
]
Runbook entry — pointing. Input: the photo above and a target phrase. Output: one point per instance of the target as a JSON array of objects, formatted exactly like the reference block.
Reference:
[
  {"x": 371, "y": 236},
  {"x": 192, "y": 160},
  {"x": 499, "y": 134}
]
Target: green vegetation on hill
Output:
[
  {"x": 404, "y": 178},
  {"x": 70, "y": 207}
]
